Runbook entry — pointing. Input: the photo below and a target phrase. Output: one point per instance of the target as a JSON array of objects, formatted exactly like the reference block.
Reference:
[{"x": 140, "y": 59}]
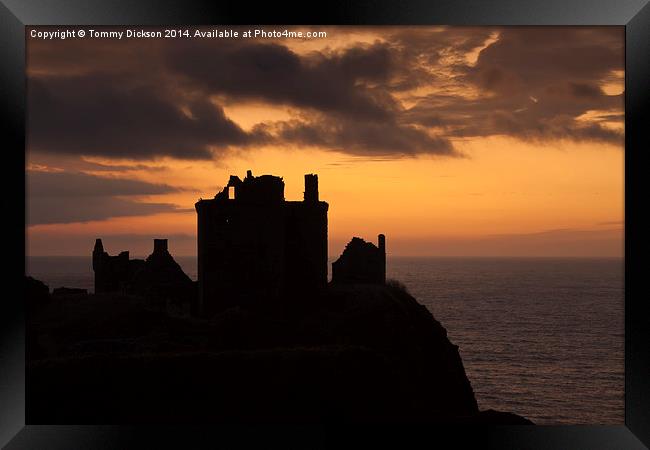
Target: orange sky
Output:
[{"x": 499, "y": 193}]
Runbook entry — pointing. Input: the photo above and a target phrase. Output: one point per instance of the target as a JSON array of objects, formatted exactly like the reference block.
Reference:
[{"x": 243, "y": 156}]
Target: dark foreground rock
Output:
[
  {"x": 36, "y": 292},
  {"x": 356, "y": 354},
  {"x": 66, "y": 291}
]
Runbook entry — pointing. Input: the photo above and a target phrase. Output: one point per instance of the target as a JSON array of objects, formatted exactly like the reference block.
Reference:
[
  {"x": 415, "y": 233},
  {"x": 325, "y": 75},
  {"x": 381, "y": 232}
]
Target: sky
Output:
[{"x": 481, "y": 141}]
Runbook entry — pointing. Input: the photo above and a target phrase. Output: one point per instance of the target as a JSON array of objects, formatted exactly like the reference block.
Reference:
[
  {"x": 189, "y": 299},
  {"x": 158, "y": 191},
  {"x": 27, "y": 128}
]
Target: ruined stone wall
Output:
[
  {"x": 112, "y": 273},
  {"x": 158, "y": 276},
  {"x": 361, "y": 262}
]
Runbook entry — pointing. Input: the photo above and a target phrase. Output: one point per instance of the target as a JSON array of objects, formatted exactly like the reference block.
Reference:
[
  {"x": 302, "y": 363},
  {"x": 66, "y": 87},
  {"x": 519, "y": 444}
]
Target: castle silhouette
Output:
[{"x": 253, "y": 245}]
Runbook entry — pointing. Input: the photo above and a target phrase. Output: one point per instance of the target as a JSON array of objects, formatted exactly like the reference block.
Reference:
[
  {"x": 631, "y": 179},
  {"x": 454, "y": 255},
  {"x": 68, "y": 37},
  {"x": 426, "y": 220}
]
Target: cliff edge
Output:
[{"x": 355, "y": 354}]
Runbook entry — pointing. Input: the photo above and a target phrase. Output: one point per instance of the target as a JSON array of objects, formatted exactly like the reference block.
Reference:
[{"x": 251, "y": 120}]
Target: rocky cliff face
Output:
[{"x": 358, "y": 353}]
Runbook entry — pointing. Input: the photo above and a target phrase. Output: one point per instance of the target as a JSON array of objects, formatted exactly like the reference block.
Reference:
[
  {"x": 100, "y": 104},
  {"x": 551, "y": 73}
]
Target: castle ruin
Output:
[
  {"x": 253, "y": 244},
  {"x": 158, "y": 276}
]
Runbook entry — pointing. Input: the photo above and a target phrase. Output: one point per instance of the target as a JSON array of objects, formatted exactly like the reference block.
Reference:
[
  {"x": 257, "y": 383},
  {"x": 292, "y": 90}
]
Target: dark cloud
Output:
[
  {"x": 540, "y": 119},
  {"x": 63, "y": 197},
  {"x": 101, "y": 167},
  {"x": 534, "y": 83},
  {"x": 421, "y": 52},
  {"x": 531, "y": 58},
  {"x": 111, "y": 116},
  {"x": 77, "y": 184},
  {"x": 585, "y": 90},
  {"x": 362, "y": 137},
  {"x": 337, "y": 83},
  {"x": 147, "y": 99},
  {"x": 63, "y": 210}
]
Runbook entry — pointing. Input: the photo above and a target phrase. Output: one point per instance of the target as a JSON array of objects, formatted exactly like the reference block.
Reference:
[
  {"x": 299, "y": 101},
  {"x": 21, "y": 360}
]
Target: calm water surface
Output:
[{"x": 540, "y": 337}]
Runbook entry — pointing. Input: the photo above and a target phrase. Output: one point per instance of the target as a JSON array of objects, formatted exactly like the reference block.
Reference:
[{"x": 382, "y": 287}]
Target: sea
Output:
[{"x": 540, "y": 337}]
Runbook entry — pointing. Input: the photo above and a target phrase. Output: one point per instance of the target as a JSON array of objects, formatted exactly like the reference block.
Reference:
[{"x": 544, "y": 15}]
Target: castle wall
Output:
[
  {"x": 306, "y": 236},
  {"x": 241, "y": 253}
]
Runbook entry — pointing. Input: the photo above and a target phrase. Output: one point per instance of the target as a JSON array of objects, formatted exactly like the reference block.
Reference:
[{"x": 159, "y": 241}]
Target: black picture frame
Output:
[{"x": 15, "y": 15}]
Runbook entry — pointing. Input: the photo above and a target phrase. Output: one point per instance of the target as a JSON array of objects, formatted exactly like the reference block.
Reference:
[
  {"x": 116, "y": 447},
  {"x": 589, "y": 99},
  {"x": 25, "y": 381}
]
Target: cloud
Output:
[
  {"x": 363, "y": 138},
  {"x": 59, "y": 210},
  {"x": 111, "y": 116},
  {"x": 412, "y": 90},
  {"x": 534, "y": 84},
  {"x": 336, "y": 83},
  {"x": 63, "y": 197},
  {"x": 77, "y": 184},
  {"x": 348, "y": 92},
  {"x": 535, "y": 57}
]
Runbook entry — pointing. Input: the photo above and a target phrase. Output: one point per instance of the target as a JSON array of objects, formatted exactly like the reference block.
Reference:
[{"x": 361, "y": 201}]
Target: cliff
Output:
[{"x": 358, "y": 353}]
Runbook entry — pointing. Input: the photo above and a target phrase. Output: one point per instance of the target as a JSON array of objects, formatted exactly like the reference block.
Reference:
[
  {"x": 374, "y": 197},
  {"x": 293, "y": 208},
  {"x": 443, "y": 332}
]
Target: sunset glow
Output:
[{"x": 483, "y": 154}]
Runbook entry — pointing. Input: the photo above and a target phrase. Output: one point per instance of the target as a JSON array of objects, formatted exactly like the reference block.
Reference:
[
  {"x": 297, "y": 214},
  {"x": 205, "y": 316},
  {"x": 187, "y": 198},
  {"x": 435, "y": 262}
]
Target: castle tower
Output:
[
  {"x": 311, "y": 188},
  {"x": 256, "y": 246}
]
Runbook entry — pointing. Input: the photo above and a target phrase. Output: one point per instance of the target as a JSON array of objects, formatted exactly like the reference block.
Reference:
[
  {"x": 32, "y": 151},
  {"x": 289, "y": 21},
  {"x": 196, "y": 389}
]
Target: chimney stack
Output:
[
  {"x": 160, "y": 245},
  {"x": 99, "y": 247},
  {"x": 98, "y": 253},
  {"x": 311, "y": 188}
]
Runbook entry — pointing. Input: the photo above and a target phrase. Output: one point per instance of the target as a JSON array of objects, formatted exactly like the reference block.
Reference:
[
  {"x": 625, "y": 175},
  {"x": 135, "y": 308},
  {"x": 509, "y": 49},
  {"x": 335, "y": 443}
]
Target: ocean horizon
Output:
[{"x": 539, "y": 336}]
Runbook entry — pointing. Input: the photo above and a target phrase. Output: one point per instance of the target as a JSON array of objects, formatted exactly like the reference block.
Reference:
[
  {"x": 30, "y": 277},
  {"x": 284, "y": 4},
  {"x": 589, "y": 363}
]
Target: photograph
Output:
[{"x": 261, "y": 224}]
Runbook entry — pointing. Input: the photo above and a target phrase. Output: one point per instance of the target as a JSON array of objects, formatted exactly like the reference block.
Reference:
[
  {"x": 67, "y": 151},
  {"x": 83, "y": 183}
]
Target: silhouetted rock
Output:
[
  {"x": 359, "y": 353},
  {"x": 36, "y": 291}
]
